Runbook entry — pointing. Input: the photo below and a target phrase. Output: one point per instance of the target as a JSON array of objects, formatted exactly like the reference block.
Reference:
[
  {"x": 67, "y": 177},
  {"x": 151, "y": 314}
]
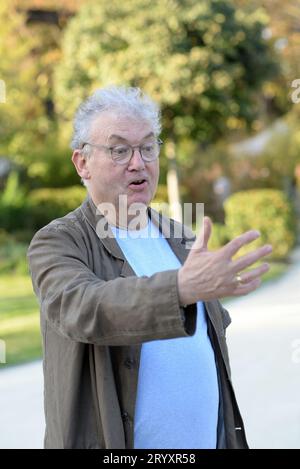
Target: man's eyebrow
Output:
[{"x": 118, "y": 137}]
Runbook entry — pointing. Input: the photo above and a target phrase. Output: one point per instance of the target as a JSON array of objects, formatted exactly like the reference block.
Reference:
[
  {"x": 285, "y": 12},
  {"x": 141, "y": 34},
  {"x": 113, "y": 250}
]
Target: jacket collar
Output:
[
  {"x": 177, "y": 235},
  {"x": 179, "y": 244}
]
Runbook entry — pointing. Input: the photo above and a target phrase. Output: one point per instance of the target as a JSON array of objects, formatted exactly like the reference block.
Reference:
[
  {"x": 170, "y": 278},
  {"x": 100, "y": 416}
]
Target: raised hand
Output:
[{"x": 208, "y": 275}]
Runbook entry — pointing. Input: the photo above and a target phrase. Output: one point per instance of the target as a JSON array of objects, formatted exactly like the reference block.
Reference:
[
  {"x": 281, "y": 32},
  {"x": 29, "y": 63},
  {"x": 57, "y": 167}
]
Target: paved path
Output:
[
  {"x": 21, "y": 406},
  {"x": 264, "y": 346}
]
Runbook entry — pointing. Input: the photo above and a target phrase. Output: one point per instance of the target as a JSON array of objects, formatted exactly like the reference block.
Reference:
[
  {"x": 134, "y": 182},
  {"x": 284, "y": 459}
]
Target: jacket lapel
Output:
[{"x": 178, "y": 236}]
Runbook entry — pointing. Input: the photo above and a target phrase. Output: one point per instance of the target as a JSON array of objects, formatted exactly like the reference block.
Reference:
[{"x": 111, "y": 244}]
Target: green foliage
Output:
[
  {"x": 13, "y": 217},
  {"x": 267, "y": 210},
  {"x": 51, "y": 165},
  {"x": 13, "y": 194},
  {"x": 12, "y": 204},
  {"x": 38, "y": 208},
  {"x": 12, "y": 254},
  {"x": 46, "y": 204},
  {"x": 219, "y": 236},
  {"x": 28, "y": 127},
  {"x": 204, "y": 62},
  {"x": 20, "y": 114}
]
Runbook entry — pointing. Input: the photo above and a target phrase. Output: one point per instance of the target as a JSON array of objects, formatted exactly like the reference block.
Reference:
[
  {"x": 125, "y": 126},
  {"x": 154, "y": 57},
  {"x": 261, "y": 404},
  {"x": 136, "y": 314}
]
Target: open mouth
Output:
[{"x": 139, "y": 184}]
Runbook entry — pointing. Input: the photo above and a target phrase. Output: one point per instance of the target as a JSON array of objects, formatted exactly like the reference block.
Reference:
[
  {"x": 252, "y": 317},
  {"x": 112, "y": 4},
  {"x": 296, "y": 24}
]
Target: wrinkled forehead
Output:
[{"x": 114, "y": 125}]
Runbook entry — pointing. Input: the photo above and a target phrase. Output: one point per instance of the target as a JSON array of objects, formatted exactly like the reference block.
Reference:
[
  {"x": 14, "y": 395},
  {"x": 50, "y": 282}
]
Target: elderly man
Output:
[{"x": 133, "y": 333}]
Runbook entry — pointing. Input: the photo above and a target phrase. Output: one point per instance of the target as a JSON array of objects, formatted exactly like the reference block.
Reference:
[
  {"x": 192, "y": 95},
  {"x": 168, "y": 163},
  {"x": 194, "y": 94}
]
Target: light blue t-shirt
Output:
[{"x": 177, "y": 396}]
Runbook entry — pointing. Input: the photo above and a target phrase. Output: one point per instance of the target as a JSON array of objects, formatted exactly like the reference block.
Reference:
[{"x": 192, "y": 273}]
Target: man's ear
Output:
[{"x": 80, "y": 163}]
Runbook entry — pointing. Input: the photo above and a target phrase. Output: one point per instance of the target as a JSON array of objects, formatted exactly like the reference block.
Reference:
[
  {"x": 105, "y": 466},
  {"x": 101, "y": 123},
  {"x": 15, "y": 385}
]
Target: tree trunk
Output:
[{"x": 172, "y": 183}]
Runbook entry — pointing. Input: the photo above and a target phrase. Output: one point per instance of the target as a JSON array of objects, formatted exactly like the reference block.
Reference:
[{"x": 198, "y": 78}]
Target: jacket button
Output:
[{"x": 129, "y": 363}]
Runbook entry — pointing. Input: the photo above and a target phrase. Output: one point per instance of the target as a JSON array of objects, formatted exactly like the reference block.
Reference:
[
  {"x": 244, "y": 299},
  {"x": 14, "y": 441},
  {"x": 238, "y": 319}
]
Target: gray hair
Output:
[{"x": 124, "y": 100}]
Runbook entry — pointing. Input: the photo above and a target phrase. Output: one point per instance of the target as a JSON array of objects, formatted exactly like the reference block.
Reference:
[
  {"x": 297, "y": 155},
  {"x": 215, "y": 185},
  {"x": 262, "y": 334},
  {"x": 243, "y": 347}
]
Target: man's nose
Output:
[{"x": 136, "y": 162}]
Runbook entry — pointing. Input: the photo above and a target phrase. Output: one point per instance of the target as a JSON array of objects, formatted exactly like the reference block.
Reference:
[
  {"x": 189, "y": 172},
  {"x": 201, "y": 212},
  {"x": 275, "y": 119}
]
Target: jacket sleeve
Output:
[{"x": 84, "y": 308}]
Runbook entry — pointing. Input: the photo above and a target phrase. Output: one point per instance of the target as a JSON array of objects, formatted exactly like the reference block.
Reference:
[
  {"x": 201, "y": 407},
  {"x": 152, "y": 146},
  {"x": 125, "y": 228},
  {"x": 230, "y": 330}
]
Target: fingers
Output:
[
  {"x": 207, "y": 231},
  {"x": 234, "y": 245},
  {"x": 247, "y": 288},
  {"x": 250, "y": 258},
  {"x": 204, "y": 235},
  {"x": 250, "y": 275}
]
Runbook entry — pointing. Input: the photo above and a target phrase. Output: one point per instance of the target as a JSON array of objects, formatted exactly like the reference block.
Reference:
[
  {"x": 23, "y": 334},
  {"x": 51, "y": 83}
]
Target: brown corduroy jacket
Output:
[{"x": 95, "y": 315}]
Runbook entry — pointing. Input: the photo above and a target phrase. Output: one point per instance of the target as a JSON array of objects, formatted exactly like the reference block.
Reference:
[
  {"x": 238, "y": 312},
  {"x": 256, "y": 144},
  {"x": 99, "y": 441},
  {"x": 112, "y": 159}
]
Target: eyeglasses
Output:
[{"x": 122, "y": 154}]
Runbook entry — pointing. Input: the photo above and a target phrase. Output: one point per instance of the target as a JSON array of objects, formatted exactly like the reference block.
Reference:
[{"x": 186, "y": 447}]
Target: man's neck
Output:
[
  {"x": 135, "y": 222},
  {"x": 134, "y": 217}
]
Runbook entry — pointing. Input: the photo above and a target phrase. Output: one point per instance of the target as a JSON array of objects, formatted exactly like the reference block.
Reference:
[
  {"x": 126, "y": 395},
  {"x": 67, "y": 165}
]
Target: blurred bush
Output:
[
  {"x": 12, "y": 254},
  {"x": 44, "y": 205},
  {"x": 23, "y": 214},
  {"x": 12, "y": 204},
  {"x": 267, "y": 210},
  {"x": 219, "y": 236}
]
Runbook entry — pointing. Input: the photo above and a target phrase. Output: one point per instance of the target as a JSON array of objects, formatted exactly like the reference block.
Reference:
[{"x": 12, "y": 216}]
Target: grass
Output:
[{"x": 19, "y": 319}]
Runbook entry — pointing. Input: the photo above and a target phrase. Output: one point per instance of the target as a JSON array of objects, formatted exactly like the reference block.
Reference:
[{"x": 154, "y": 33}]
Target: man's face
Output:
[{"x": 108, "y": 179}]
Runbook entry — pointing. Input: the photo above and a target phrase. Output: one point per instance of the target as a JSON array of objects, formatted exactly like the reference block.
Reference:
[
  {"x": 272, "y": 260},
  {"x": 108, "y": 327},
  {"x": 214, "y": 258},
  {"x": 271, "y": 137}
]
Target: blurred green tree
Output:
[
  {"x": 29, "y": 48},
  {"x": 17, "y": 70},
  {"x": 204, "y": 62},
  {"x": 283, "y": 33}
]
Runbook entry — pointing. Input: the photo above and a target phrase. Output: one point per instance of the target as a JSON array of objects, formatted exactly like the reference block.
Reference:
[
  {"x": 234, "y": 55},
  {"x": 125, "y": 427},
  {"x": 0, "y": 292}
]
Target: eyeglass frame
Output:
[{"x": 133, "y": 147}]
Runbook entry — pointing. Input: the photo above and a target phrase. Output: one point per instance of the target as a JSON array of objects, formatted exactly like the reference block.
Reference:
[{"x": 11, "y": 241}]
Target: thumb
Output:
[{"x": 204, "y": 234}]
